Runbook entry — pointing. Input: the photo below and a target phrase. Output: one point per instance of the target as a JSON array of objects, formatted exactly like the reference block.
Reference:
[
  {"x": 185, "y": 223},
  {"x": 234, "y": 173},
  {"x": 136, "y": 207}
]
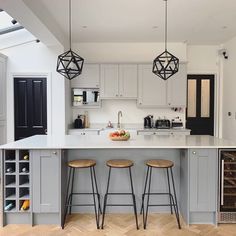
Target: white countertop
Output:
[{"x": 103, "y": 142}]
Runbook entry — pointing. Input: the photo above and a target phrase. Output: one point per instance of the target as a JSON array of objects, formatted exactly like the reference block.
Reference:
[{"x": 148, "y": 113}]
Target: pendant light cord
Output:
[
  {"x": 70, "y": 22},
  {"x": 165, "y": 25}
]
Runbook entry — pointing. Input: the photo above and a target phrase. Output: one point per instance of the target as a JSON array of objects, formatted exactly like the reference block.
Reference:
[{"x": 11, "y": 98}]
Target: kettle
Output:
[
  {"x": 148, "y": 122},
  {"x": 79, "y": 124}
]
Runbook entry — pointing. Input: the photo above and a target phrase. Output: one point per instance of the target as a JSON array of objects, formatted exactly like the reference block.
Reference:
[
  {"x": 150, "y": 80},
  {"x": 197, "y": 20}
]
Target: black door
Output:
[
  {"x": 30, "y": 108},
  {"x": 200, "y": 104}
]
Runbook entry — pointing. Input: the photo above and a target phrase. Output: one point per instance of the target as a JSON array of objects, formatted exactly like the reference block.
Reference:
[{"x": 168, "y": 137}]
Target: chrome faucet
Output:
[{"x": 118, "y": 123}]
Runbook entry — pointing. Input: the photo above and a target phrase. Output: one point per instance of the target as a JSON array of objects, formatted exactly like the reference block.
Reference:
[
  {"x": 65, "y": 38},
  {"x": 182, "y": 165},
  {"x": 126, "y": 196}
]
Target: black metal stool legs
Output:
[
  {"x": 97, "y": 215},
  {"x": 66, "y": 200},
  {"x": 145, "y": 215},
  {"x": 72, "y": 189},
  {"x": 144, "y": 191},
  {"x": 134, "y": 200},
  {"x": 105, "y": 198},
  {"x": 168, "y": 180},
  {"x": 98, "y": 195},
  {"x": 176, "y": 204}
]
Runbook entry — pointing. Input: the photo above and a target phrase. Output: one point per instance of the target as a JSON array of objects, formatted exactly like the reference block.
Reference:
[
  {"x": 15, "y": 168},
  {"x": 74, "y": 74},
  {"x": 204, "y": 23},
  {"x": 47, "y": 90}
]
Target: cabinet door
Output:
[
  {"x": 203, "y": 179},
  {"x": 2, "y": 87},
  {"x": 128, "y": 81},
  {"x": 177, "y": 88},
  {"x": 89, "y": 77},
  {"x": 45, "y": 175},
  {"x": 109, "y": 81},
  {"x": 3, "y": 132},
  {"x": 152, "y": 89}
]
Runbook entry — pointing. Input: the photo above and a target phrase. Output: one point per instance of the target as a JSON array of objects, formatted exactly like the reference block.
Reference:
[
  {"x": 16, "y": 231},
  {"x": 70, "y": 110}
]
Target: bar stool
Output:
[
  {"x": 76, "y": 165},
  {"x": 166, "y": 164},
  {"x": 119, "y": 164}
]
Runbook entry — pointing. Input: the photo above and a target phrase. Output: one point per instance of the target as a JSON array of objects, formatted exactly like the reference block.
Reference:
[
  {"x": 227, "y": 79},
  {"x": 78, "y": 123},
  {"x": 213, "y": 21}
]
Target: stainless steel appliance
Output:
[
  {"x": 162, "y": 124},
  {"x": 177, "y": 123},
  {"x": 227, "y": 196},
  {"x": 148, "y": 122}
]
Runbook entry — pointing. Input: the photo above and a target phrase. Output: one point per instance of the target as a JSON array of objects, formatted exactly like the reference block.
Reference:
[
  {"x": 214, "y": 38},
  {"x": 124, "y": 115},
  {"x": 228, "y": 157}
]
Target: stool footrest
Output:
[
  {"x": 119, "y": 194},
  {"x": 80, "y": 205},
  {"x": 157, "y": 194},
  {"x": 84, "y": 193},
  {"x": 119, "y": 205},
  {"x": 155, "y": 205}
]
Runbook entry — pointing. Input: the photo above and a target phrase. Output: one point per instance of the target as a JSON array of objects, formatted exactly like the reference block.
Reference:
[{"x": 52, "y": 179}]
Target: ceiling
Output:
[{"x": 191, "y": 21}]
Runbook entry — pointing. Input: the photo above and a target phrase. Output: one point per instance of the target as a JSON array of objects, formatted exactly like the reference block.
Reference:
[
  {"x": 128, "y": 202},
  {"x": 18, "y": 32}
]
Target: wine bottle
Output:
[
  {"x": 9, "y": 206},
  {"x": 25, "y": 205},
  {"x": 26, "y": 157},
  {"x": 10, "y": 170},
  {"x": 24, "y": 169}
]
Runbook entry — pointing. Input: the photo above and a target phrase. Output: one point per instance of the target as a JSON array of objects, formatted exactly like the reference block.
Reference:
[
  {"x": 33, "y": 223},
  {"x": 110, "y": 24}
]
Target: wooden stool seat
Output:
[
  {"x": 160, "y": 163},
  {"x": 120, "y": 163},
  {"x": 82, "y": 163}
]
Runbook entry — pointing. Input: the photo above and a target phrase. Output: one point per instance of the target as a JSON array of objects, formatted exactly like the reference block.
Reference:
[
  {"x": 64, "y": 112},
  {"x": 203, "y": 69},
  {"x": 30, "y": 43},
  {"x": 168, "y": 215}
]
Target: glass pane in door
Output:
[
  {"x": 205, "y": 98},
  {"x": 192, "y": 97}
]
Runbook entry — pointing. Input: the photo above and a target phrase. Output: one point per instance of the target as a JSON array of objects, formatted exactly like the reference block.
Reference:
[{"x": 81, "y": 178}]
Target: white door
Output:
[
  {"x": 109, "y": 81},
  {"x": 152, "y": 89},
  {"x": 128, "y": 81},
  {"x": 177, "y": 88},
  {"x": 89, "y": 77}
]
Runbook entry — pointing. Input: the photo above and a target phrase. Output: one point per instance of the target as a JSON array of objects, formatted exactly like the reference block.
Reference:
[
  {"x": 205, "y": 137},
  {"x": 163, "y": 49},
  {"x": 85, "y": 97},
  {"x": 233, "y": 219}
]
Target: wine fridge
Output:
[{"x": 227, "y": 177}]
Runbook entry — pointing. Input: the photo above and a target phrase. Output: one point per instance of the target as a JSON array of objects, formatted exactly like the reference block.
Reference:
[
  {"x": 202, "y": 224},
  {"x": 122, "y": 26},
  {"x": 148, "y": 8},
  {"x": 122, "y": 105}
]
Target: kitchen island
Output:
[{"x": 44, "y": 181}]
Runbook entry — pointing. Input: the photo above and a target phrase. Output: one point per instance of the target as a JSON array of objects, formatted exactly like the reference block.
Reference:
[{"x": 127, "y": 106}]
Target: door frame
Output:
[
  {"x": 217, "y": 102},
  {"x": 48, "y": 77}
]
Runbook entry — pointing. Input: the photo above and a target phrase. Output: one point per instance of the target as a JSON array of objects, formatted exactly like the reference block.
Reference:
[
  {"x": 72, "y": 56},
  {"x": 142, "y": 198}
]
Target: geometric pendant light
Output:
[
  {"x": 166, "y": 64},
  {"x": 69, "y": 63}
]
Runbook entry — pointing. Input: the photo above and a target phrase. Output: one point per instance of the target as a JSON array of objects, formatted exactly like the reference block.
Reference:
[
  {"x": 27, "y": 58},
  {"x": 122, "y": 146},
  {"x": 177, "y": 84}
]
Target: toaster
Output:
[{"x": 162, "y": 124}]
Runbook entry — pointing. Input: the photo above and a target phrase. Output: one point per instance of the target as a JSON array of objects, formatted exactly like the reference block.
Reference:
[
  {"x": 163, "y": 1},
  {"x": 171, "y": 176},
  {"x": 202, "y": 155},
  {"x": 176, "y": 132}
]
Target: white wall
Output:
[
  {"x": 30, "y": 59},
  {"x": 131, "y": 114},
  {"x": 229, "y": 92}
]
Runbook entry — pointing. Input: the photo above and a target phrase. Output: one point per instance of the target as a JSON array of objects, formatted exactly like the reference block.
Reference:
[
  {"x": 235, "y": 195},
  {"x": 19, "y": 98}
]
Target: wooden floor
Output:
[{"x": 119, "y": 224}]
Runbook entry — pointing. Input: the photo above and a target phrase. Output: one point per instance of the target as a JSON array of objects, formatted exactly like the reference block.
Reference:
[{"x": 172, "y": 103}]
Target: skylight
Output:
[{"x": 7, "y": 23}]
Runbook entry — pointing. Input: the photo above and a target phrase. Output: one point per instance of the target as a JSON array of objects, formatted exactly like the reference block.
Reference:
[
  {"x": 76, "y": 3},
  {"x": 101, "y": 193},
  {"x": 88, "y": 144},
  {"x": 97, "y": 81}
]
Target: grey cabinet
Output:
[
  {"x": 46, "y": 178},
  {"x": 203, "y": 180}
]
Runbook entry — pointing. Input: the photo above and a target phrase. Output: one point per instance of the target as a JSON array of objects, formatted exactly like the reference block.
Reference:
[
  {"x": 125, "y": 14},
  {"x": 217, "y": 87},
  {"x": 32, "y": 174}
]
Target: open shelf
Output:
[
  {"x": 10, "y": 180},
  {"x": 23, "y": 156},
  {"x": 23, "y": 193},
  {"x": 24, "y": 180},
  {"x": 10, "y": 194},
  {"x": 21, "y": 202},
  {"x": 10, "y": 155},
  {"x": 7, "y": 203},
  {"x": 10, "y": 167},
  {"x": 24, "y": 168}
]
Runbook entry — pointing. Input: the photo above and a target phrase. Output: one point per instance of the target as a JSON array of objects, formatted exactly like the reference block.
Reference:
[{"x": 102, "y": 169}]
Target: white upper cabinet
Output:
[
  {"x": 109, "y": 81},
  {"x": 118, "y": 81},
  {"x": 89, "y": 77},
  {"x": 155, "y": 92},
  {"x": 177, "y": 88},
  {"x": 152, "y": 90},
  {"x": 2, "y": 88},
  {"x": 128, "y": 81}
]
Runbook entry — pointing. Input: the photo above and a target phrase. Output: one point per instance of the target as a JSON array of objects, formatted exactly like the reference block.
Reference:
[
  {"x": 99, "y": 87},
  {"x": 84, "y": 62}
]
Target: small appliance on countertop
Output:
[
  {"x": 177, "y": 123},
  {"x": 79, "y": 122},
  {"x": 148, "y": 122},
  {"x": 162, "y": 123}
]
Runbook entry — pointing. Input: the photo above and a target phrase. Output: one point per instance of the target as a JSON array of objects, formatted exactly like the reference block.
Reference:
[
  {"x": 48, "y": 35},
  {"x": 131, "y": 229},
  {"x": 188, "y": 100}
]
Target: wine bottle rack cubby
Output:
[{"x": 17, "y": 190}]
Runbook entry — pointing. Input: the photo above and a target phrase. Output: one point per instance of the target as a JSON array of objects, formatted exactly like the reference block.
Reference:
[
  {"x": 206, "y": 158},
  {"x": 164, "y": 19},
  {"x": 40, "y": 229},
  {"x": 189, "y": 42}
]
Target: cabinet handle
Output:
[
  {"x": 55, "y": 153},
  {"x": 97, "y": 85},
  {"x": 140, "y": 103},
  {"x": 154, "y": 133},
  {"x": 116, "y": 95},
  {"x": 194, "y": 153},
  {"x": 121, "y": 95}
]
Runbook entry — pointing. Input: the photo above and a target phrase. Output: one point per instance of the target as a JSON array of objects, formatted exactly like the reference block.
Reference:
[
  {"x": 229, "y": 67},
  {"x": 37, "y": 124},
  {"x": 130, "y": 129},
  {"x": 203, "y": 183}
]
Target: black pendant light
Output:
[
  {"x": 69, "y": 63},
  {"x": 166, "y": 64}
]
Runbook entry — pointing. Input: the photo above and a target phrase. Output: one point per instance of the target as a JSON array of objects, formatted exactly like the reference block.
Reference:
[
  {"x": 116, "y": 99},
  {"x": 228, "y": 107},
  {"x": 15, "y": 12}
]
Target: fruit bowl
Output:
[{"x": 120, "y": 135}]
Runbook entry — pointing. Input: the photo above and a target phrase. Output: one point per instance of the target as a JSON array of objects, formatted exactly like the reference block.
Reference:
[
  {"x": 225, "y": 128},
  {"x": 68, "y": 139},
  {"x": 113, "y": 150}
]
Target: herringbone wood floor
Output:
[{"x": 119, "y": 224}]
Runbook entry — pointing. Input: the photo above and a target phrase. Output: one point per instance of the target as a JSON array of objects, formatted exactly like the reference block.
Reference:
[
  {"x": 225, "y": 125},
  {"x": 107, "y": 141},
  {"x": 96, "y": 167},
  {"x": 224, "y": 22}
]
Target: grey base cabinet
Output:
[
  {"x": 203, "y": 169},
  {"x": 46, "y": 178}
]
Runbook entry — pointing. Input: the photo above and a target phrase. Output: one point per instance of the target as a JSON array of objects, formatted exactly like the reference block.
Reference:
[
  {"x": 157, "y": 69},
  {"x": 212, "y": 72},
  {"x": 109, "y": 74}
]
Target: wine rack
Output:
[{"x": 17, "y": 190}]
